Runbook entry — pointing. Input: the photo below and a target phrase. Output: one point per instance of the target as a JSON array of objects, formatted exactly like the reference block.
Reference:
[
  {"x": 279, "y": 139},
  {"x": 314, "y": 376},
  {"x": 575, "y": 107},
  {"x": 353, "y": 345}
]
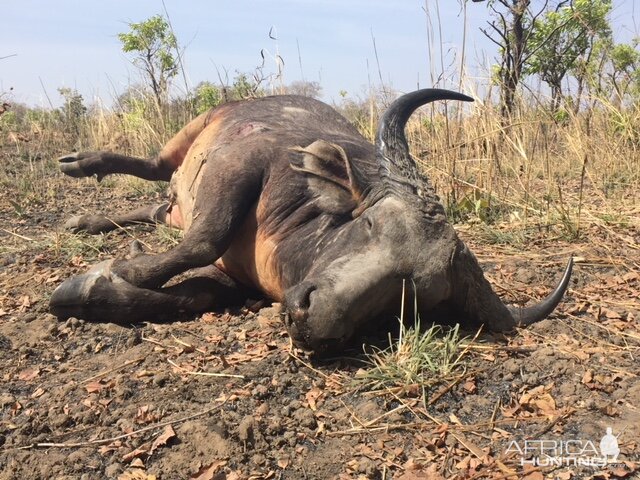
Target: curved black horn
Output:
[
  {"x": 393, "y": 151},
  {"x": 527, "y": 315}
]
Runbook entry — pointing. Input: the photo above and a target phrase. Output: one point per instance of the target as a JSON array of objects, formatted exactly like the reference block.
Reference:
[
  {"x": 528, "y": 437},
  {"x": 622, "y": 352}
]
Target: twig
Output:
[
  {"x": 315, "y": 370},
  {"x": 107, "y": 372},
  {"x": 551, "y": 424},
  {"x": 17, "y": 235},
  {"x": 205, "y": 374},
  {"x": 155, "y": 342}
]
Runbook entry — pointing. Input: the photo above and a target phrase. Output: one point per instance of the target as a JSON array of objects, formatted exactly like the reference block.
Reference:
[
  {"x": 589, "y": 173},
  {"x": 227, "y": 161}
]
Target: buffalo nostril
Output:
[
  {"x": 305, "y": 299},
  {"x": 299, "y": 298}
]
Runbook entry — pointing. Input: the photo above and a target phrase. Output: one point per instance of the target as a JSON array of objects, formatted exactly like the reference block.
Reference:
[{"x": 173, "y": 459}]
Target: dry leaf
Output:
[
  {"x": 162, "y": 439},
  {"x": 208, "y": 472},
  {"x": 431, "y": 473},
  {"x": 138, "y": 452},
  {"x": 312, "y": 397},
  {"x": 454, "y": 419},
  {"x": 29, "y": 374},
  {"x": 38, "y": 392},
  {"x": 136, "y": 474},
  {"x": 470, "y": 386},
  {"x": 209, "y": 318}
]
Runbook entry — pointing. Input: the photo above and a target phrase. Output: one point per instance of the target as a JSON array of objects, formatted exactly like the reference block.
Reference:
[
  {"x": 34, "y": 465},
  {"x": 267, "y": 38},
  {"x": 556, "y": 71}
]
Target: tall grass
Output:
[{"x": 535, "y": 170}]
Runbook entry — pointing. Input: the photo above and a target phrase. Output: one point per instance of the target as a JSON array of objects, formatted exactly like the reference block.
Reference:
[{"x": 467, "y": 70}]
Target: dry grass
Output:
[{"x": 533, "y": 170}]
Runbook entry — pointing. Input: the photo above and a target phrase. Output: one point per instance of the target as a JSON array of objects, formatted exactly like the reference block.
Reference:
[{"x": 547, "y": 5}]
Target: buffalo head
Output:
[{"x": 394, "y": 229}]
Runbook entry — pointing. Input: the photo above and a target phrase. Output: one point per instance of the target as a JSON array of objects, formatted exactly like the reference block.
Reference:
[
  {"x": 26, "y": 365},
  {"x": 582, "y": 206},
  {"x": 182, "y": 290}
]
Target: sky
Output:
[{"x": 70, "y": 43}]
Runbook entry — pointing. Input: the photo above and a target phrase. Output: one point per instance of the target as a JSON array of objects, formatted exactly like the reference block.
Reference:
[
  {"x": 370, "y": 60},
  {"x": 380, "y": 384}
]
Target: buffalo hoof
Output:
[
  {"x": 80, "y": 165},
  {"x": 91, "y": 224},
  {"x": 70, "y": 165},
  {"x": 86, "y": 296}
]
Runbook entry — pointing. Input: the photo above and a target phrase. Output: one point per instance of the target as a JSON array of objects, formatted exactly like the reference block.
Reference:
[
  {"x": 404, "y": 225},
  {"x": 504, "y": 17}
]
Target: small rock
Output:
[
  {"x": 76, "y": 456},
  {"x": 259, "y": 459},
  {"x": 245, "y": 429},
  {"x": 291, "y": 438},
  {"x": 512, "y": 366},
  {"x": 368, "y": 467},
  {"x": 161, "y": 379},
  {"x": 262, "y": 409},
  {"x": 134, "y": 339},
  {"x": 305, "y": 418},
  {"x": 7, "y": 400},
  {"x": 59, "y": 420},
  {"x": 112, "y": 470},
  {"x": 28, "y": 317},
  {"x": 285, "y": 411},
  {"x": 260, "y": 392}
]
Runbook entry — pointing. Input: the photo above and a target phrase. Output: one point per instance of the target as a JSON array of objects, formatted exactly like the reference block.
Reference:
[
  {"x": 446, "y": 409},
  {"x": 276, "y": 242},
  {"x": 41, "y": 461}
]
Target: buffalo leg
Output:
[
  {"x": 219, "y": 212},
  {"x": 87, "y": 164},
  {"x": 153, "y": 214},
  {"x": 220, "y": 209},
  {"x": 99, "y": 296},
  {"x": 161, "y": 167}
]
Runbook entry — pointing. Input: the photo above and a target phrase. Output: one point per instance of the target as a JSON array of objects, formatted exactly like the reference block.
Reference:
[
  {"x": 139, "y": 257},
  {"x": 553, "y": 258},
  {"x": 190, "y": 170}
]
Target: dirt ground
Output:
[{"x": 223, "y": 396}]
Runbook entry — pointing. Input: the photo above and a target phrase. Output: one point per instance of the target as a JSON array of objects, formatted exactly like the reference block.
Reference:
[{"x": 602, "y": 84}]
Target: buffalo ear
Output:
[{"x": 330, "y": 176}]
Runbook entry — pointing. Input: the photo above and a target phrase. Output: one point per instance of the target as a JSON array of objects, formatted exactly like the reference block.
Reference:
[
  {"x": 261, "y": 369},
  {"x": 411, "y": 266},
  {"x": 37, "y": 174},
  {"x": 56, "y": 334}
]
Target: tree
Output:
[
  {"x": 510, "y": 31},
  {"x": 562, "y": 37},
  {"x": 206, "y": 96},
  {"x": 625, "y": 69},
  {"x": 304, "y": 88},
  {"x": 72, "y": 111},
  {"x": 153, "y": 44}
]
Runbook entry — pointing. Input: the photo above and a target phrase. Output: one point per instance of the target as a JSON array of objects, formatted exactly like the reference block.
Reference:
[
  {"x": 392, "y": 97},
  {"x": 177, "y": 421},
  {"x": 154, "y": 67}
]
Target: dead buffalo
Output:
[{"x": 284, "y": 196}]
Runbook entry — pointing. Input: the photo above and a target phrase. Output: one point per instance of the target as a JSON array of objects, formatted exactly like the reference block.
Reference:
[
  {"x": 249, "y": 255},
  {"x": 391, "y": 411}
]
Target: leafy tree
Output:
[
  {"x": 153, "y": 44},
  {"x": 561, "y": 37},
  {"x": 510, "y": 30},
  {"x": 243, "y": 88},
  {"x": 206, "y": 96},
  {"x": 73, "y": 110},
  {"x": 625, "y": 69}
]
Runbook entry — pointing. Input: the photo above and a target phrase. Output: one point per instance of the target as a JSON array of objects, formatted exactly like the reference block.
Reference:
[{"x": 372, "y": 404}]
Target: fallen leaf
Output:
[
  {"x": 312, "y": 397},
  {"x": 97, "y": 387},
  {"x": 138, "y": 452},
  {"x": 610, "y": 411},
  {"x": 431, "y": 473},
  {"x": 162, "y": 439},
  {"x": 209, "y": 317},
  {"x": 470, "y": 386},
  {"x": 136, "y": 474},
  {"x": 454, "y": 419},
  {"x": 29, "y": 374},
  {"x": 207, "y": 472},
  {"x": 38, "y": 392}
]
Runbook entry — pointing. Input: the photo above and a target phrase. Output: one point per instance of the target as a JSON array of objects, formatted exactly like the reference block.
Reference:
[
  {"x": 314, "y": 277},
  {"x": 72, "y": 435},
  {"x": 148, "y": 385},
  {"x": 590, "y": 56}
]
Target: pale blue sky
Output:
[{"x": 73, "y": 43}]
